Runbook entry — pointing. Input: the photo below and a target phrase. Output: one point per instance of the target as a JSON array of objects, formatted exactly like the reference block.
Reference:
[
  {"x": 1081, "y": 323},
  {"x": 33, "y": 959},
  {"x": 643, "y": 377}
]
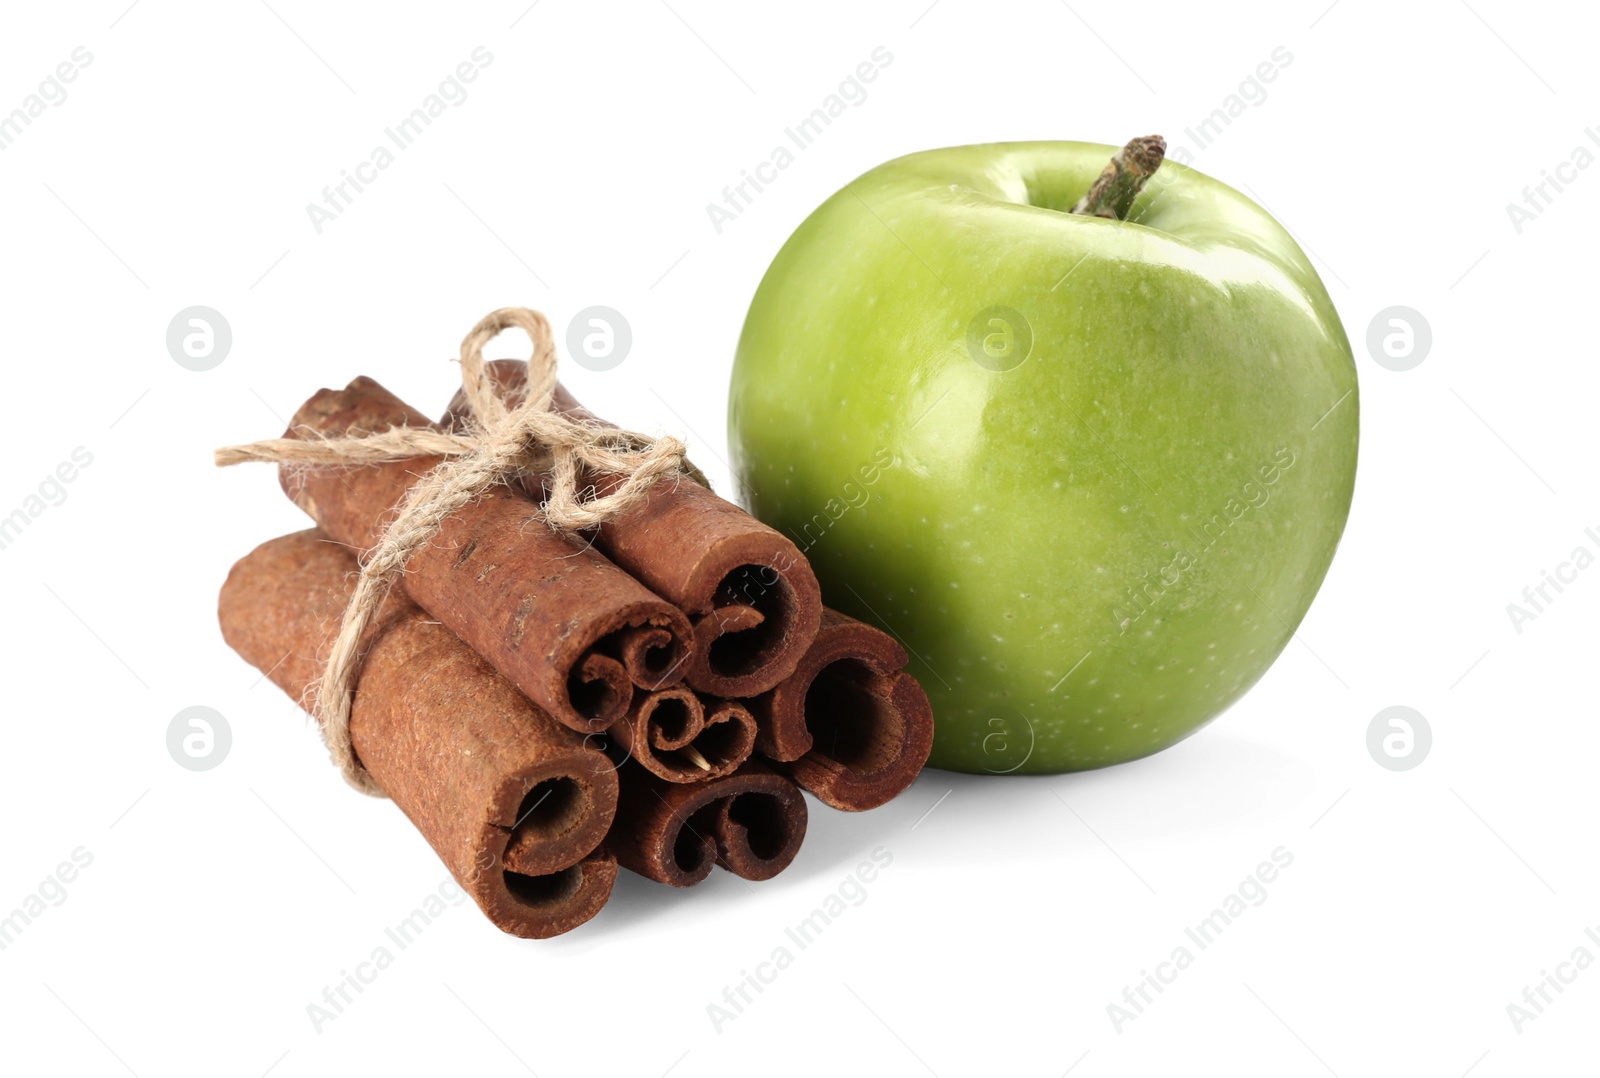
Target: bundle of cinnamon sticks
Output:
[{"x": 545, "y": 706}]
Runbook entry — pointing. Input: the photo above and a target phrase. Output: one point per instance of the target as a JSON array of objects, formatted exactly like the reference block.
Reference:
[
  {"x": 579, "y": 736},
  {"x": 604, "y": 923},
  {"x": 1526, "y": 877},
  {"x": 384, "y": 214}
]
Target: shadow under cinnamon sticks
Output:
[
  {"x": 515, "y": 804},
  {"x": 849, "y": 726}
]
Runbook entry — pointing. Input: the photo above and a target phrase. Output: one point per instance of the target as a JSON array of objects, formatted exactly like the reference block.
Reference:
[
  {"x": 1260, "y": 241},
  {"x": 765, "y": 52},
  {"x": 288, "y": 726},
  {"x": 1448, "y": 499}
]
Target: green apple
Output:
[{"x": 1090, "y": 470}]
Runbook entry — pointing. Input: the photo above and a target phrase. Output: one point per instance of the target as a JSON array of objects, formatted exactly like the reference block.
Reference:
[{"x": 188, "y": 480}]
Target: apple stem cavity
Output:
[{"x": 1120, "y": 181}]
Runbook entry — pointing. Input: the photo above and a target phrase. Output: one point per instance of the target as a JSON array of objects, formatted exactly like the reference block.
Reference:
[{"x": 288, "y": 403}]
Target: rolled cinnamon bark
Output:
[
  {"x": 847, "y": 725},
  {"x": 565, "y": 625},
  {"x": 514, "y": 803},
  {"x": 676, "y": 736},
  {"x": 751, "y": 594},
  {"x": 751, "y": 823}
]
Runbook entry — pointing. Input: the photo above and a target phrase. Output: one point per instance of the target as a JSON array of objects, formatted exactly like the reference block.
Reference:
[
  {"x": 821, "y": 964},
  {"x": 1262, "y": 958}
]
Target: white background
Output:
[{"x": 219, "y": 904}]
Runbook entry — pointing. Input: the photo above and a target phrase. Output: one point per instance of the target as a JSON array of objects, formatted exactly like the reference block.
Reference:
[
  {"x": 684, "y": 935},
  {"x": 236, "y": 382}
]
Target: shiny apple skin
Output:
[{"x": 1093, "y": 547}]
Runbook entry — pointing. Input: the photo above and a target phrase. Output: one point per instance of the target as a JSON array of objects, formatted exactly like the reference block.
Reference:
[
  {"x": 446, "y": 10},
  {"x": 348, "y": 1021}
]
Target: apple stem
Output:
[{"x": 1119, "y": 182}]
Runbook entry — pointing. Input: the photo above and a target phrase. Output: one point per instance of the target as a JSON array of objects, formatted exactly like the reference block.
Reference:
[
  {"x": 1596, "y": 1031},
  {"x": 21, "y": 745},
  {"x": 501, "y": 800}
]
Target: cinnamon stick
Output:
[
  {"x": 514, "y": 803},
  {"x": 750, "y": 593},
  {"x": 848, "y": 726},
  {"x": 751, "y": 823},
  {"x": 676, "y": 736},
  {"x": 565, "y": 625}
]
